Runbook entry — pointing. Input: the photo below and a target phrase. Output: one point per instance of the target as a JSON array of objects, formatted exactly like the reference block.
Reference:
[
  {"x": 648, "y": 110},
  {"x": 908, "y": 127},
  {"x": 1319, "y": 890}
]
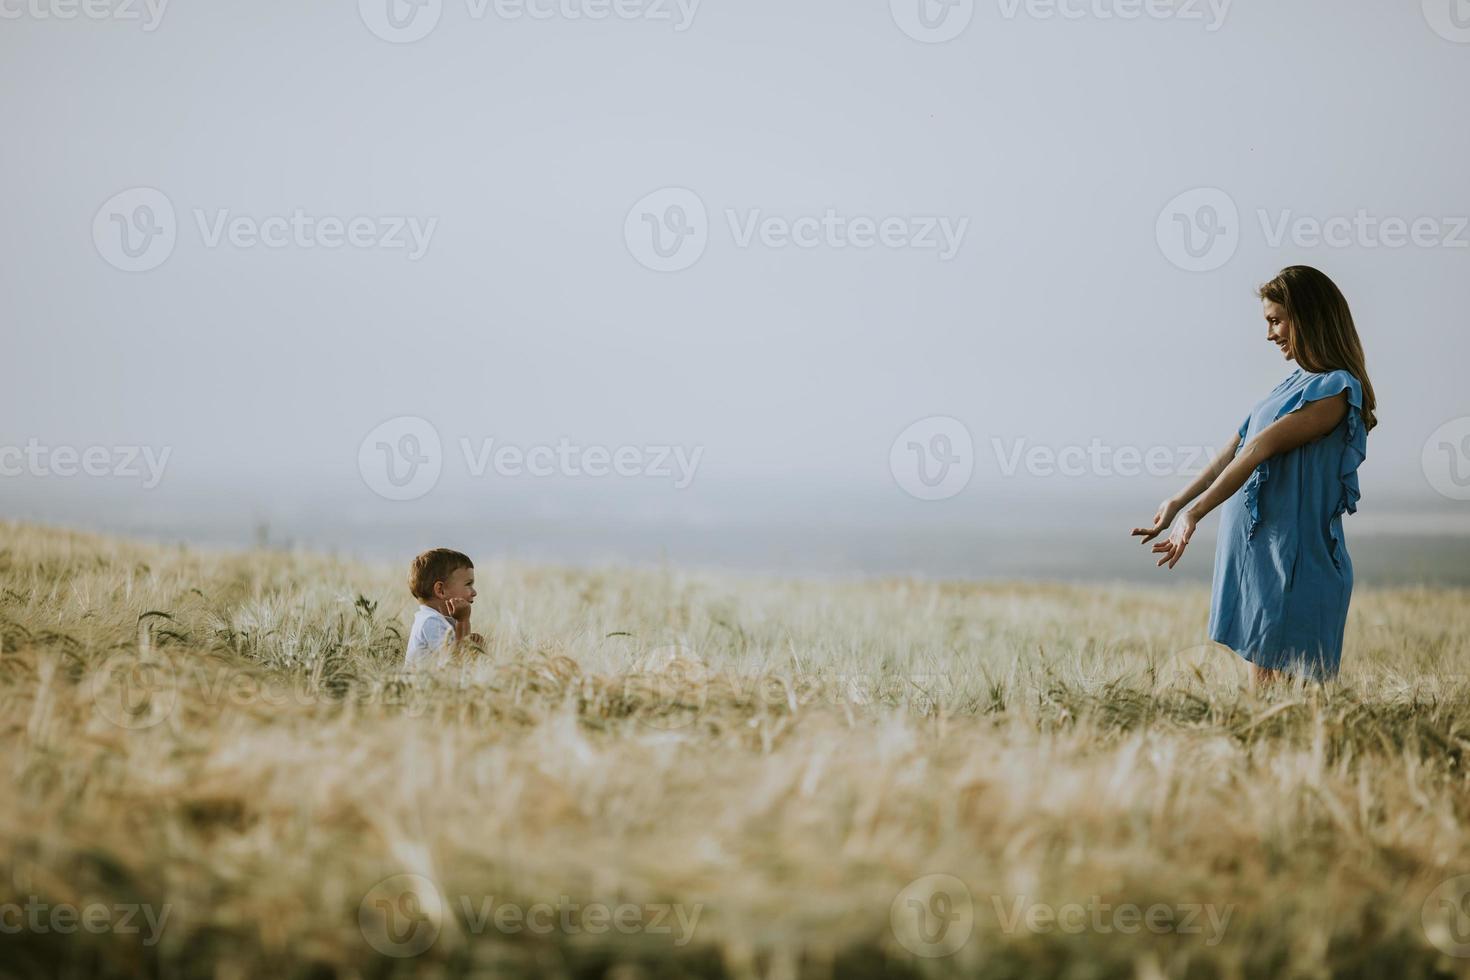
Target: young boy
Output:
[{"x": 443, "y": 582}]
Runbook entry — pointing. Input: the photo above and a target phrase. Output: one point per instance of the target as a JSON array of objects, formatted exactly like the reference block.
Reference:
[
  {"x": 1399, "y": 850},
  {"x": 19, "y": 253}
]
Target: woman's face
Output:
[{"x": 1278, "y": 327}]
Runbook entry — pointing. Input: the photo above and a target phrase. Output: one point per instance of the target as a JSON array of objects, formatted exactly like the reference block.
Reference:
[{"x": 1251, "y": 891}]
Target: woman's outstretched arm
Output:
[
  {"x": 1307, "y": 424},
  {"x": 1164, "y": 516}
]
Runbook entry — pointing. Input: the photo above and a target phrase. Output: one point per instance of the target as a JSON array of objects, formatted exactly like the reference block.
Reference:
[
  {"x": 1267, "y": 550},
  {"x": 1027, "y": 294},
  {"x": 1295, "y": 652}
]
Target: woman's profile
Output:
[{"x": 1283, "y": 577}]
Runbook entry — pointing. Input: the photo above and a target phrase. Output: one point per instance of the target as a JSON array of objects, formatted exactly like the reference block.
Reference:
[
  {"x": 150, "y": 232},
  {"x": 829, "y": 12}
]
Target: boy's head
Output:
[{"x": 442, "y": 574}]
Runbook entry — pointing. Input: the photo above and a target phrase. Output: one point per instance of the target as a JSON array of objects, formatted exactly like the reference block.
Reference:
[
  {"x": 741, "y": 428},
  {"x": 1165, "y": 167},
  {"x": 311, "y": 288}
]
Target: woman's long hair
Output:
[{"x": 1323, "y": 337}]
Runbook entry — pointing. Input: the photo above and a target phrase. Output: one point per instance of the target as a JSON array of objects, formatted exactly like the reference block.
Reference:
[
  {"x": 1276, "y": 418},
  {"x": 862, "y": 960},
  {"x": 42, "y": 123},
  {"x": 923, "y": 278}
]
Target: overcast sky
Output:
[{"x": 581, "y": 231}]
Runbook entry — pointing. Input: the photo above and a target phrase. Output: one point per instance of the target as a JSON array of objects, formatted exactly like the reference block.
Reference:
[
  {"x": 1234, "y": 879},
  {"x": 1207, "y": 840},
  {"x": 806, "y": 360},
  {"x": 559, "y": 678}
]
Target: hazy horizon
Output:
[{"x": 817, "y": 249}]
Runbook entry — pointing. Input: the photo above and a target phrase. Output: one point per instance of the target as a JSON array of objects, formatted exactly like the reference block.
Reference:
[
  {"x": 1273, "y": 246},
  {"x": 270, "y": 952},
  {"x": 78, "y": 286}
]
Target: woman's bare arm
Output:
[
  {"x": 1211, "y": 474},
  {"x": 1315, "y": 420},
  {"x": 1305, "y": 425},
  {"x": 1164, "y": 516}
]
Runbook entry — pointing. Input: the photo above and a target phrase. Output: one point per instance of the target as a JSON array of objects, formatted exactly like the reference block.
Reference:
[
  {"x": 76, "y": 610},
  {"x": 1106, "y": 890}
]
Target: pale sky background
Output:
[{"x": 1061, "y": 319}]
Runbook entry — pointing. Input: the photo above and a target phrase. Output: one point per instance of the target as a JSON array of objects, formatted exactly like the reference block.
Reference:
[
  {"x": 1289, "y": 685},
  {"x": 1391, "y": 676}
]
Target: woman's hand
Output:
[
  {"x": 1172, "y": 549},
  {"x": 1162, "y": 519}
]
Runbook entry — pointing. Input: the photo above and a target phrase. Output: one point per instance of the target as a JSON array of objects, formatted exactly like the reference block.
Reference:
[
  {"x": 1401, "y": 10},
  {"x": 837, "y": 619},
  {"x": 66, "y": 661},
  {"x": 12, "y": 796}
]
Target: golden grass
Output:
[{"x": 775, "y": 771}]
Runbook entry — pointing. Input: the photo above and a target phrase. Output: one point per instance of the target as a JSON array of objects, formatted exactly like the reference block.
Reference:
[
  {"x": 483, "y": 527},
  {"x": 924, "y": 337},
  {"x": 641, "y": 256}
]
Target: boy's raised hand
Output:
[{"x": 458, "y": 609}]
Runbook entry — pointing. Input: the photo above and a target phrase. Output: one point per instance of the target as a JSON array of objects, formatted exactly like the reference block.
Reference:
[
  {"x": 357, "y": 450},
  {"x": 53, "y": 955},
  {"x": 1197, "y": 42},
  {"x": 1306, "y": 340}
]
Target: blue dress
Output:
[{"x": 1283, "y": 577}]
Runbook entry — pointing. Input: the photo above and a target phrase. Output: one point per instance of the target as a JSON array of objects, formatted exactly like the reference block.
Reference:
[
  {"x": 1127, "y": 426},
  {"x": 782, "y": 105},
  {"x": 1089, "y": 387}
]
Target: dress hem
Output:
[{"x": 1289, "y": 665}]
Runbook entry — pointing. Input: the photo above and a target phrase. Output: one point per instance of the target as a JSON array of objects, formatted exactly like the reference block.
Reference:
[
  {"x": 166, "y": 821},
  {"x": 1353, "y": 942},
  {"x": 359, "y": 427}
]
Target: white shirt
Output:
[{"x": 432, "y": 632}]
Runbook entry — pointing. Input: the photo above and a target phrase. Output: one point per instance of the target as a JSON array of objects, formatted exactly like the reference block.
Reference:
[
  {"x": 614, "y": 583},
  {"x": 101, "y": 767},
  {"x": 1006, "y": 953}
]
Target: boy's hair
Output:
[{"x": 434, "y": 565}]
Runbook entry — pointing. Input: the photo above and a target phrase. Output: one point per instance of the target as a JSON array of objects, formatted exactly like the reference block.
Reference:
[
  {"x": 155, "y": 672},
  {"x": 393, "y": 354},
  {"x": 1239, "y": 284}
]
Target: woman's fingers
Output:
[
  {"x": 1169, "y": 552},
  {"x": 1148, "y": 533},
  {"x": 1178, "y": 542}
]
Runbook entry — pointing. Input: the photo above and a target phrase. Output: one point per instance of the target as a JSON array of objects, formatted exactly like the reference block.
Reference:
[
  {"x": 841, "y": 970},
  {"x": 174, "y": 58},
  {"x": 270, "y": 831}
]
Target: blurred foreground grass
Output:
[{"x": 216, "y": 766}]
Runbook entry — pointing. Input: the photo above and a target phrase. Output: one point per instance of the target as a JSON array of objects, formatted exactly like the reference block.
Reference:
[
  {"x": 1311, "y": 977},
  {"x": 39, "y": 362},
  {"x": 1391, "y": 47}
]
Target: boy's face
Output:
[{"x": 459, "y": 585}]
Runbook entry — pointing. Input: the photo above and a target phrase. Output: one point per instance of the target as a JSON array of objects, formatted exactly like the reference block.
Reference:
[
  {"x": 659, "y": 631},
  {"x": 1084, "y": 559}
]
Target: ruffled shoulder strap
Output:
[
  {"x": 1355, "y": 446},
  {"x": 1321, "y": 386}
]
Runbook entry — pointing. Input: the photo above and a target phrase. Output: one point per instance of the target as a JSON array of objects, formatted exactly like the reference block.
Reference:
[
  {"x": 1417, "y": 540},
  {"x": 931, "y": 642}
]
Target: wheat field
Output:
[{"x": 217, "y": 766}]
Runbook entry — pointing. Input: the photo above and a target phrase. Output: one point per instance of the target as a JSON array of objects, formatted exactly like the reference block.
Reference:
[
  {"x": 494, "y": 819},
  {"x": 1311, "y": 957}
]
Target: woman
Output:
[{"x": 1283, "y": 577}]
